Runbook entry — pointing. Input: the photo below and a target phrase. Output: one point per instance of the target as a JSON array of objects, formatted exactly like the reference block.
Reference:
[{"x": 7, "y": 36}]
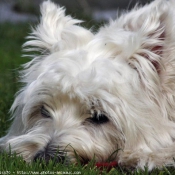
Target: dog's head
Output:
[{"x": 95, "y": 93}]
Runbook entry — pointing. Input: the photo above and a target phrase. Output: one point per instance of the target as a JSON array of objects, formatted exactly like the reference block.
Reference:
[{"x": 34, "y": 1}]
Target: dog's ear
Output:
[
  {"x": 152, "y": 43},
  {"x": 145, "y": 39},
  {"x": 56, "y": 31},
  {"x": 149, "y": 29}
]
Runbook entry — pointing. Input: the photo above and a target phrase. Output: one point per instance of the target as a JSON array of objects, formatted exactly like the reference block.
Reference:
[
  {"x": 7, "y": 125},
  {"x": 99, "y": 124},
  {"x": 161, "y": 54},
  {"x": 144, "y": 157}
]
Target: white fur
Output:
[{"x": 126, "y": 70}]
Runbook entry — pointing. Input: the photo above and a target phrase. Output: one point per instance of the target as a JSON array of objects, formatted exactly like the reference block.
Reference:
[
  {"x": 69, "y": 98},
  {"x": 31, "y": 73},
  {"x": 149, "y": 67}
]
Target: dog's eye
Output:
[
  {"x": 45, "y": 113},
  {"x": 98, "y": 118}
]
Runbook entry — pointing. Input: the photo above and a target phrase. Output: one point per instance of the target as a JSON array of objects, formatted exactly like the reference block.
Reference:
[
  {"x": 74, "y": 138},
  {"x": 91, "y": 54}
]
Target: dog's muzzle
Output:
[{"x": 50, "y": 154}]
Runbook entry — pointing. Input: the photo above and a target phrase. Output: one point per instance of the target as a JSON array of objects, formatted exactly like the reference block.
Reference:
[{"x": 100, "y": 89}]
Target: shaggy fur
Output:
[{"x": 97, "y": 93}]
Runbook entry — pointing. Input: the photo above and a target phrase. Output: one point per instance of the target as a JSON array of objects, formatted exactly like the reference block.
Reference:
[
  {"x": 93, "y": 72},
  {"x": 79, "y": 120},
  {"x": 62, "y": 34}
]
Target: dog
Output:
[{"x": 96, "y": 94}]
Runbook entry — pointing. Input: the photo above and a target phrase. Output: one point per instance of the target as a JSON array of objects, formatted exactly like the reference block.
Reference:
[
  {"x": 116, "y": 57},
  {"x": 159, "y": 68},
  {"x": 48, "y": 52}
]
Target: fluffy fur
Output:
[{"x": 95, "y": 93}]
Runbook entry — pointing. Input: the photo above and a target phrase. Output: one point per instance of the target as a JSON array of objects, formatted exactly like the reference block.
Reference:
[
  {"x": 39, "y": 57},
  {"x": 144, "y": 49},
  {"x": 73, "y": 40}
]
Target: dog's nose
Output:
[{"x": 45, "y": 156}]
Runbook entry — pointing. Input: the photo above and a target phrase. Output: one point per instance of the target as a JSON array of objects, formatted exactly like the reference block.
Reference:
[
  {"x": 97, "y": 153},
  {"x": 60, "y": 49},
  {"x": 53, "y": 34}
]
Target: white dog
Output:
[{"x": 96, "y": 93}]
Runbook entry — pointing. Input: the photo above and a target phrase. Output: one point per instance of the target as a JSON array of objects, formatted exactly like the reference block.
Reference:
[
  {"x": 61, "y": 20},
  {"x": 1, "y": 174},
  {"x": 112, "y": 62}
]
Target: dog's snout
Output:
[
  {"x": 47, "y": 156},
  {"x": 39, "y": 156}
]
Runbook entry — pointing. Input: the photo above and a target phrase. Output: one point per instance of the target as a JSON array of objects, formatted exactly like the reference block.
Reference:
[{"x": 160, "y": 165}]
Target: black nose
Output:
[{"x": 46, "y": 156}]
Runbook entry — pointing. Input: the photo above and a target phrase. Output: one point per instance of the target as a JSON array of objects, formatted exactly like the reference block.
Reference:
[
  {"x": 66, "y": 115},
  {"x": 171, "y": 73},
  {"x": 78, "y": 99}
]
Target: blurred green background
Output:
[{"x": 11, "y": 39}]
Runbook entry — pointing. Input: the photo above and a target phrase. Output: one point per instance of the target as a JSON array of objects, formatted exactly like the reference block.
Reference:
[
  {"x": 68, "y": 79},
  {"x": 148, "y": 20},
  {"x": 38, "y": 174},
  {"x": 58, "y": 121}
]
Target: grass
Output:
[{"x": 11, "y": 39}]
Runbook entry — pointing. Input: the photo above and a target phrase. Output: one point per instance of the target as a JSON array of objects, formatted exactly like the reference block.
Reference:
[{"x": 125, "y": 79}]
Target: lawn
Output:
[{"x": 11, "y": 39}]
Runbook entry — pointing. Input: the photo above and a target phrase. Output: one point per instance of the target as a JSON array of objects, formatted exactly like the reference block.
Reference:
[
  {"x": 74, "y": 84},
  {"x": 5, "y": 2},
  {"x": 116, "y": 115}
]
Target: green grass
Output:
[{"x": 11, "y": 39}]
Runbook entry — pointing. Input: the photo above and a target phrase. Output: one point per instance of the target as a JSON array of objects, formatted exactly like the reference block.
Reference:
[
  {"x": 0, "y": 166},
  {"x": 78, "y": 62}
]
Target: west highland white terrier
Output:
[{"x": 96, "y": 93}]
